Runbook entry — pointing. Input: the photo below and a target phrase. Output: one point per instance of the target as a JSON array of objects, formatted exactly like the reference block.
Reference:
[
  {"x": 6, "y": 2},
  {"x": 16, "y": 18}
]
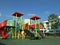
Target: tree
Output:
[{"x": 53, "y": 19}]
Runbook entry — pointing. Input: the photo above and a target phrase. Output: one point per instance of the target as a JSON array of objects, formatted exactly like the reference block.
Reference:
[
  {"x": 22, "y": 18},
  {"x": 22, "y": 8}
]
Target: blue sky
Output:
[{"x": 41, "y": 8}]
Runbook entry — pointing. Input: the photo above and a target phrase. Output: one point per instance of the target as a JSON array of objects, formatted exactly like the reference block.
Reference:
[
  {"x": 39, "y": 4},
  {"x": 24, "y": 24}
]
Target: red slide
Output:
[{"x": 2, "y": 26}]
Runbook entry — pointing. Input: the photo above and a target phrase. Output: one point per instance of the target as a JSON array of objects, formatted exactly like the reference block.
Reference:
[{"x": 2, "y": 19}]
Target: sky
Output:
[{"x": 41, "y": 8}]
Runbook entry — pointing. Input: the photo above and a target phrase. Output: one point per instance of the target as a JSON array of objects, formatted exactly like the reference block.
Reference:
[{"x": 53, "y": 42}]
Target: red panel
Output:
[
  {"x": 32, "y": 26},
  {"x": 26, "y": 26},
  {"x": 4, "y": 35},
  {"x": 2, "y": 25},
  {"x": 41, "y": 26}
]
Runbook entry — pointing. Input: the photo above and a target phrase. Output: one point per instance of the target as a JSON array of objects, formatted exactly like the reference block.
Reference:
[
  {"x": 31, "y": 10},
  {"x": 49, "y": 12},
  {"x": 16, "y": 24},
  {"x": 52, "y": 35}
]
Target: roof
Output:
[
  {"x": 35, "y": 17},
  {"x": 19, "y": 14}
]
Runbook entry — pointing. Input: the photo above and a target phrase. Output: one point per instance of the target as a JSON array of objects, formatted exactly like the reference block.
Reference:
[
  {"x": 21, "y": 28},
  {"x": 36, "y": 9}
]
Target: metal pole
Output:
[
  {"x": 39, "y": 26},
  {"x": 23, "y": 36},
  {"x": 15, "y": 25},
  {"x": 18, "y": 30},
  {"x": 35, "y": 28}
]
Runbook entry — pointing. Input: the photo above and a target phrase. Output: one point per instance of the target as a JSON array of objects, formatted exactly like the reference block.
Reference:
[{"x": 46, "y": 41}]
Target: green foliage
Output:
[
  {"x": 54, "y": 26},
  {"x": 53, "y": 19}
]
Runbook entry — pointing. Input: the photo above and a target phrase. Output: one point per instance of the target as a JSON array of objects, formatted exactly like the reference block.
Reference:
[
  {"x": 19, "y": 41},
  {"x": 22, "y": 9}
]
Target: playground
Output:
[
  {"x": 17, "y": 32},
  {"x": 18, "y": 29}
]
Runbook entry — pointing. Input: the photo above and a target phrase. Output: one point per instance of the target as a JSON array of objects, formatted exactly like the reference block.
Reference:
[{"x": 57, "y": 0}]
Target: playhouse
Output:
[{"x": 17, "y": 29}]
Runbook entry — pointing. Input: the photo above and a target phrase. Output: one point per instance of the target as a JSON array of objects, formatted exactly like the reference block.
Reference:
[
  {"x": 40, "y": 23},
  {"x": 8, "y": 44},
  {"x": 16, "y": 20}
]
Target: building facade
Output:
[{"x": 47, "y": 24}]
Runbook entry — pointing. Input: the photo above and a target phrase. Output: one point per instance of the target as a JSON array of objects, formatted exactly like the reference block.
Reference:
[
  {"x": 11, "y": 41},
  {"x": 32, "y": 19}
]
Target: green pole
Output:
[
  {"x": 39, "y": 24},
  {"x": 15, "y": 25},
  {"x": 35, "y": 28},
  {"x": 21, "y": 22},
  {"x": 12, "y": 30}
]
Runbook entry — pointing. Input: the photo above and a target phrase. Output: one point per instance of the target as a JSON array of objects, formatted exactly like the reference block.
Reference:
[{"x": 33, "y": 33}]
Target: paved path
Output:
[{"x": 47, "y": 41}]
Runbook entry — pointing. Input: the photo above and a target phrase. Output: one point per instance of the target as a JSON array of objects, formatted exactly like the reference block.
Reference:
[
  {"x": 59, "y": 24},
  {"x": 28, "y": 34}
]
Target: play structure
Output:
[
  {"x": 2, "y": 31},
  {"x": 17, "y": 29}
]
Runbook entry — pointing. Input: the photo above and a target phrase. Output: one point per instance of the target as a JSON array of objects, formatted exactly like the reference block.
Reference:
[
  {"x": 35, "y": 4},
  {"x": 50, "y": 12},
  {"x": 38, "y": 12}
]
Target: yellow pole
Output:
[
  {"x": 19, "y": 34},
  {"x": 28, "y": 26},
  {"x": 23, "y": 36},
  {"x": 30, "y": 21}
]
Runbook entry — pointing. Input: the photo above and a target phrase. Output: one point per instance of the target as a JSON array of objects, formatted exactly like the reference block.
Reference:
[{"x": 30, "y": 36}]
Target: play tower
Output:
[
  {"x": 17, "y": 16},
  {"x": 36, "y": 23}
]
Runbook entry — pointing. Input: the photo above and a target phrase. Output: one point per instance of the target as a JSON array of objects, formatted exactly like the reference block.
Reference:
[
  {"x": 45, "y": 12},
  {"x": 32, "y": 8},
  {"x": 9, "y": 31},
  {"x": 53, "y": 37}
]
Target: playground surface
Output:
[{"x": 46, "y": 41}]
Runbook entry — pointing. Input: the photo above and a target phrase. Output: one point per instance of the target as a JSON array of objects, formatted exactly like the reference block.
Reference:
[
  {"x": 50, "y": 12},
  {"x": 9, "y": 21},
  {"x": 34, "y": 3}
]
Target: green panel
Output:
[
  {"x": 0, "y": 35},
  {"x": 37, "y": 27},
  {"x": 13, "y": 29},
  {"x": 10, "y": 23}
]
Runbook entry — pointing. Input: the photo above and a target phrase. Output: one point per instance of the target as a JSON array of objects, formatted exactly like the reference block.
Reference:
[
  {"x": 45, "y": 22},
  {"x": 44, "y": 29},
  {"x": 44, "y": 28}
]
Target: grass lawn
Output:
[{"x": 46, "y": 41}]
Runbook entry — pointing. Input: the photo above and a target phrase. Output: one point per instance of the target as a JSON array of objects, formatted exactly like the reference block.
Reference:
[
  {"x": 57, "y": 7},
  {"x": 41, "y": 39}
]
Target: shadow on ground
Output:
[{"x": 2, "y": 43}]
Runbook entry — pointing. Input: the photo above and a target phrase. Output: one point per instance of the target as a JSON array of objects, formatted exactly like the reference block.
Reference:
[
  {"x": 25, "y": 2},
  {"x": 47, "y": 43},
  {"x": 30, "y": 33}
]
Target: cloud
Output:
[
  {"x": 32, "y": 14},
  {"x": 47, "y": 12}
]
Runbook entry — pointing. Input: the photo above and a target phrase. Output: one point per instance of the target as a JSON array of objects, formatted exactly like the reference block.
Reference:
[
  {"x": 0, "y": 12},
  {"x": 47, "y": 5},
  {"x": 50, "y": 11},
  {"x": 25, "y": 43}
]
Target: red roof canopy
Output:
[
  {"x": 18, "y": 14},
  {"x": 35, "y": 17}
]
